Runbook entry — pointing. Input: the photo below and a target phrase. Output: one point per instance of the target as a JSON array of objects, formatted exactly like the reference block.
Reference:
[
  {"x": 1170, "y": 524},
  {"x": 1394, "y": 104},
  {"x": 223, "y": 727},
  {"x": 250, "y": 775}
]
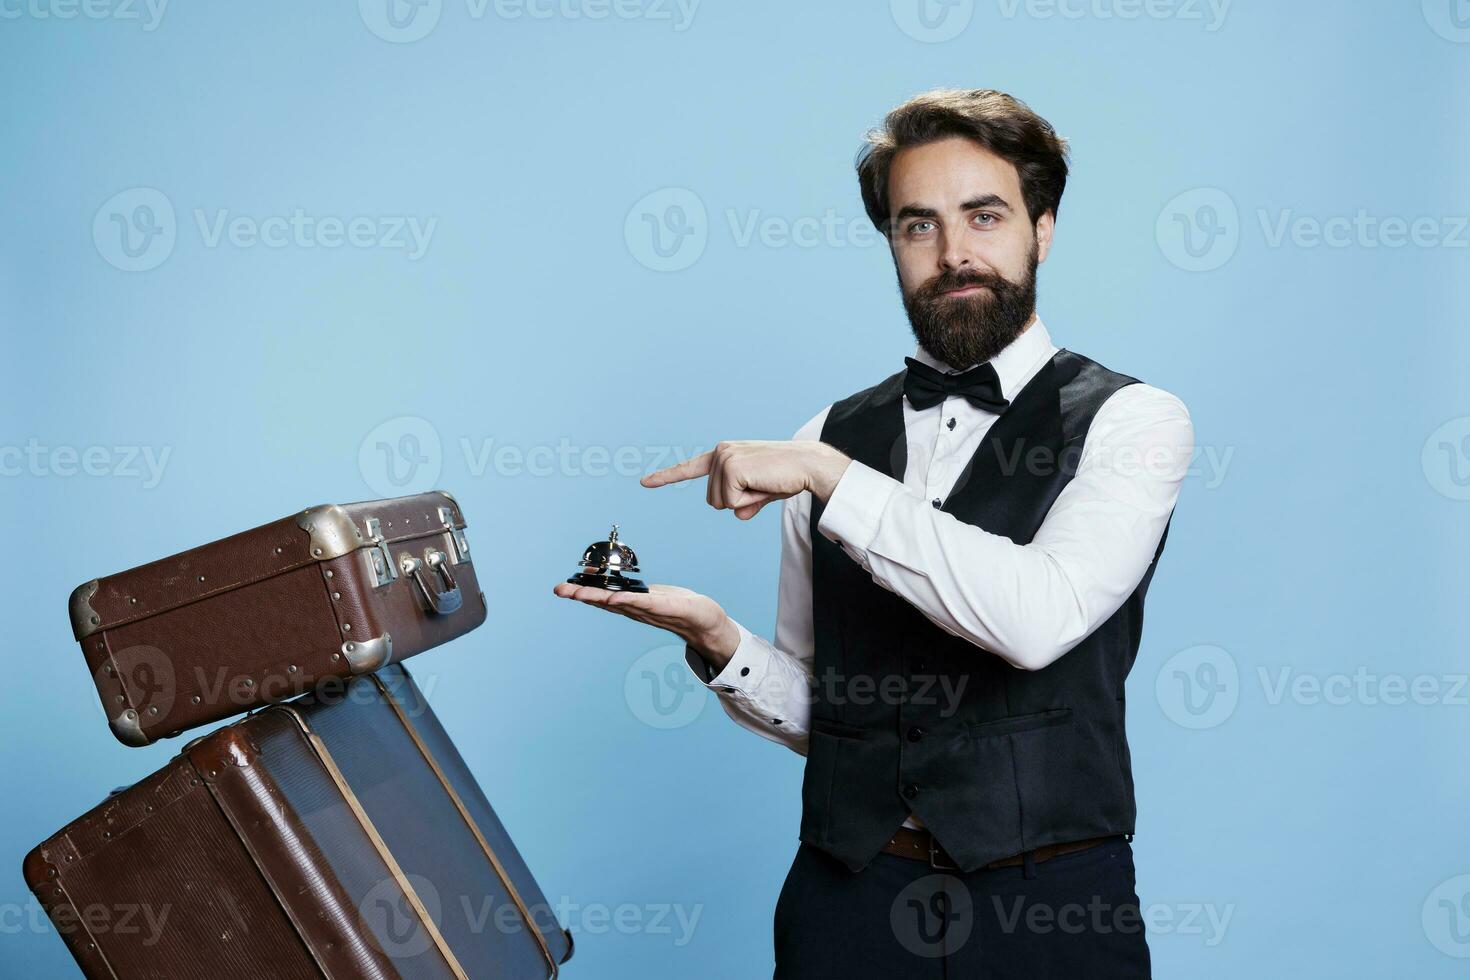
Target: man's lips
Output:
[{"x": 964, "y": 290}]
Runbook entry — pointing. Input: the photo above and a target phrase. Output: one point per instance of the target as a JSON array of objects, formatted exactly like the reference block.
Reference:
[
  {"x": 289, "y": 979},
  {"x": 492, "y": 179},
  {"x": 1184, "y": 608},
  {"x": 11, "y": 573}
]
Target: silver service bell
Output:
[{"x": 605, "y": 562}]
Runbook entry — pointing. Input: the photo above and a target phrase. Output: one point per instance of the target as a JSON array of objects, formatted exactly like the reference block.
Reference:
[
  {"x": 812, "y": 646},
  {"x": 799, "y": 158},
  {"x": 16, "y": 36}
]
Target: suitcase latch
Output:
[
  {"x": 459, "y": 545},
  {"x": 379, "y": 560}
]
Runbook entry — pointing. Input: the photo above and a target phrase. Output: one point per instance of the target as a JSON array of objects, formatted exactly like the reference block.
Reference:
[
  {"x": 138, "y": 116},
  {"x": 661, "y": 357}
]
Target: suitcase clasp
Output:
[
  {"x": 380, "y": 562},
  {"x": 459, "y": 545}
]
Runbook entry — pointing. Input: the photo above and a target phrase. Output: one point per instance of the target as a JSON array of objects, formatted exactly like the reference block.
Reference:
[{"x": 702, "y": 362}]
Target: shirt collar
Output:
[{"x": 1015, "y": 365}]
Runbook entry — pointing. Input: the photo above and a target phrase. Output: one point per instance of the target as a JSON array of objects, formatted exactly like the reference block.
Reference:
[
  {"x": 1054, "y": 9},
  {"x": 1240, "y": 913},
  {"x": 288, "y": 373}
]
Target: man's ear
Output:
[{"x": 1045, "y": 226}]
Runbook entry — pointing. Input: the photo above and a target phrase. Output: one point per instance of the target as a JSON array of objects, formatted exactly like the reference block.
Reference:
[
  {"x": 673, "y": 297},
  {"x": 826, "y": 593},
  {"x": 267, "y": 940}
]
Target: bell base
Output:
[{"x": 612, "y": 583}]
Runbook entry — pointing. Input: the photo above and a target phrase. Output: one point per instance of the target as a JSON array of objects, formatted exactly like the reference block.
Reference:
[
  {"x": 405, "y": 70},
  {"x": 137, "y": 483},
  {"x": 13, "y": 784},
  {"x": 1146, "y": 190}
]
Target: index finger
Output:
[{"x": 695, "y": 466}]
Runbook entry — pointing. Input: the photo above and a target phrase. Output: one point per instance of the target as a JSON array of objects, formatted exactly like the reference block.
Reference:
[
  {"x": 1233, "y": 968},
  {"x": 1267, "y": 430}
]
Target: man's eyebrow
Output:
[{"x": 994, "y": 201}]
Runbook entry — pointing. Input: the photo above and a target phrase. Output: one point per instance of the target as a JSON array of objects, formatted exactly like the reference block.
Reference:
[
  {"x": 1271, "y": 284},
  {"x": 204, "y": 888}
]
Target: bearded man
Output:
[{"x": 965, "y": 551}]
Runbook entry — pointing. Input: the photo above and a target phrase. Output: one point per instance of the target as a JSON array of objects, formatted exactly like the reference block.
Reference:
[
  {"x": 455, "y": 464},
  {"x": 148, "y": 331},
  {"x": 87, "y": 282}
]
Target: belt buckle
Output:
[{"x": 934, "y": 857}]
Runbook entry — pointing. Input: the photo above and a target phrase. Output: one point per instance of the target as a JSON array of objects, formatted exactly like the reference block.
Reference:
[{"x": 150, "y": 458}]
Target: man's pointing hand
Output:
[{"x": 745, "y": 475}]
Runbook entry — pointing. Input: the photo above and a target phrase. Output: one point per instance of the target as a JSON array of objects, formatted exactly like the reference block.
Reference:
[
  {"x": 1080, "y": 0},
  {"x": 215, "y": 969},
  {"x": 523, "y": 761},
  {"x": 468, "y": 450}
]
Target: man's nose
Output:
[{"x": 953, "y": 256}]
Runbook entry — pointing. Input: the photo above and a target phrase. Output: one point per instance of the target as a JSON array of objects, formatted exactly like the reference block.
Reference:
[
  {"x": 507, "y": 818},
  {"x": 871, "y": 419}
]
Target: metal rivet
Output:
[
  {"x": 148, "y": 808},
  {"x": 336, "y": 595},
  {"x": 338, "y": 656},
  {"x": 310, "y": 526},
  {"x": 51, "y": 872},
  {"x": 350, "y": 647},
  {"x": 95, "y": 620},
  {"x": 130, "y": 713},
  {"x": 316, "y": 551},
  {"x": 329, "y": 573},
  {"x": 201, "y": 578},
  {"x": 119, "y": 699},
  {"x": 346, "y": 627},
  {"x": 213, "y": 773},
  {"x": 132, "y": 601},
  {"x": 194, "y": 782},
  {"x": 249, "y": 682},
  {"x": 291, "y": 669},
  {"x": 111, "y": 670},
  {"x": 278, "y": 551},
  {"x": 153, "y": 710},
  {"x": 107, "y": 835},
  {"x": 195, "y": 699}
]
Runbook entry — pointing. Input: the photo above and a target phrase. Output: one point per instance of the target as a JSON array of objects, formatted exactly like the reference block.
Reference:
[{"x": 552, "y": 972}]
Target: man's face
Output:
[{"x": 965, "y": 250}]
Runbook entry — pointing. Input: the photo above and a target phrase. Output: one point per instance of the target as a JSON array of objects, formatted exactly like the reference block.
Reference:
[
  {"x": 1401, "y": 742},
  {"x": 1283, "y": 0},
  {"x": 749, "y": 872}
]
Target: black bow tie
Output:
[{"x": 925, "y": 386}]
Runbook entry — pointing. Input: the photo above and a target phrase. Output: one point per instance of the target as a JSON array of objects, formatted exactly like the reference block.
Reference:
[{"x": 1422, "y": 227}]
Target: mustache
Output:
[{"x": 946, "y": 281}]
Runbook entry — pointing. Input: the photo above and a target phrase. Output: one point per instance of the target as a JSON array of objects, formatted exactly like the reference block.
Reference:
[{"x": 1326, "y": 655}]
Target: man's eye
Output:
[
  {"x": 985, "y": 218},
  {"x": 920, "y": 227}
]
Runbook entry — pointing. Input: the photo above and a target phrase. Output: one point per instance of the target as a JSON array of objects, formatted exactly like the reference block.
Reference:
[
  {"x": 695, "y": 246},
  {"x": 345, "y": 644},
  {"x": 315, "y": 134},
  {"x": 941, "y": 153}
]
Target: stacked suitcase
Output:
[{"x": 335, "y": 832}]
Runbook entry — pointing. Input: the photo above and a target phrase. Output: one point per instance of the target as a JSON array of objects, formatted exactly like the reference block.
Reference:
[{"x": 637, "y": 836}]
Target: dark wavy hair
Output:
[{"x": 1000, "y": 123}]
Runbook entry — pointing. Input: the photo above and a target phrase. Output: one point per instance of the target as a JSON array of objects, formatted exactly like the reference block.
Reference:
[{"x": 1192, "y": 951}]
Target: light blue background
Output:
[{"x": 1332, "y": 545}]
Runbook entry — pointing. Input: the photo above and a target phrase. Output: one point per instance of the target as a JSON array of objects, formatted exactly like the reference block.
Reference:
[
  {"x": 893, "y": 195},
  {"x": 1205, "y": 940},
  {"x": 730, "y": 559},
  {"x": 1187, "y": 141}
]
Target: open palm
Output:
[{"x": 669, "y": 607}]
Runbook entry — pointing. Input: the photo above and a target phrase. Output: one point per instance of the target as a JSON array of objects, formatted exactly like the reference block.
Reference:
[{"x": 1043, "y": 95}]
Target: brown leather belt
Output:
[{"x": 920, "y": 845}]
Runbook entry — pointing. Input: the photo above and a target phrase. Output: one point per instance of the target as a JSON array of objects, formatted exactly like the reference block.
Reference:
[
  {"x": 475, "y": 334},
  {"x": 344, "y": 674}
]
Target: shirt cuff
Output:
[
  {"x": 746, "y": 669},
  {"x": 855, "y": 509}
]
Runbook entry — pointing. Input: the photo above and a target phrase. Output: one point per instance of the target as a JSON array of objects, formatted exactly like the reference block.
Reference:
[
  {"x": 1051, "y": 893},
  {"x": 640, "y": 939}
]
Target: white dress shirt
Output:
[{"x": 1027, "y": 604}]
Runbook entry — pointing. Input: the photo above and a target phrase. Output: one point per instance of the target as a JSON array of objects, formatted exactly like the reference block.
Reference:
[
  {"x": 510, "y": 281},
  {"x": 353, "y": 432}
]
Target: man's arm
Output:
[
  {"x": 765, "y": 687},
  {"x": 1029, "y": 604}
]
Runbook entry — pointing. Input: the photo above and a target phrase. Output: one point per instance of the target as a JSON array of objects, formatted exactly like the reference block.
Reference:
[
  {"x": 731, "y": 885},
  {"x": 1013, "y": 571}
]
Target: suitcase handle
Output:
[{"x": 444, "y": 601}]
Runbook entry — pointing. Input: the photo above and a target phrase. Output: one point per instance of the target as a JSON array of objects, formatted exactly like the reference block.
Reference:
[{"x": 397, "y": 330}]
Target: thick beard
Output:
[{"x": 966, "y": 330}]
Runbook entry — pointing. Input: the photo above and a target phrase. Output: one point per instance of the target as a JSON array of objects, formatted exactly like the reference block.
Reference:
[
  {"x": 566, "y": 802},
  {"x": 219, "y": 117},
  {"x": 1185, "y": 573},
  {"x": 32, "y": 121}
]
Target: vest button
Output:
[
  {"x": 910, "y": 791},
  {"x": 915, "y": 733},
  {"x": 937, "y": 503}
]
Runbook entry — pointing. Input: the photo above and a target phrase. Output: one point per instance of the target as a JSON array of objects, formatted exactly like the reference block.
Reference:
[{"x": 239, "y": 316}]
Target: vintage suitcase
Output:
[
  {"x": 262, "y": 616},
  {"x": 339, "y": 835}
]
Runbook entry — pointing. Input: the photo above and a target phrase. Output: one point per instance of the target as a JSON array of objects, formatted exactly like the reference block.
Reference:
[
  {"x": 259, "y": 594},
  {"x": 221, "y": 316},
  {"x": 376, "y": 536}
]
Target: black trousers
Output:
[{"x": 1076, "y": 915}]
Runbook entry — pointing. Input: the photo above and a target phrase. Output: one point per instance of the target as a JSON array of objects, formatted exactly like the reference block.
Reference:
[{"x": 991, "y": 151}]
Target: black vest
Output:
[{"x": 994, "y": 759}]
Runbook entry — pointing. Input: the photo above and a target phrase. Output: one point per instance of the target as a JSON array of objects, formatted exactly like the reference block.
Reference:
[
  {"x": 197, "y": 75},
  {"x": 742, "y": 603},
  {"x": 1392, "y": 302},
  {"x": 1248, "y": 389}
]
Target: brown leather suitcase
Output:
[
  {"x": 339, "y": 835},
  {"x": 264, "y": 615}
]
